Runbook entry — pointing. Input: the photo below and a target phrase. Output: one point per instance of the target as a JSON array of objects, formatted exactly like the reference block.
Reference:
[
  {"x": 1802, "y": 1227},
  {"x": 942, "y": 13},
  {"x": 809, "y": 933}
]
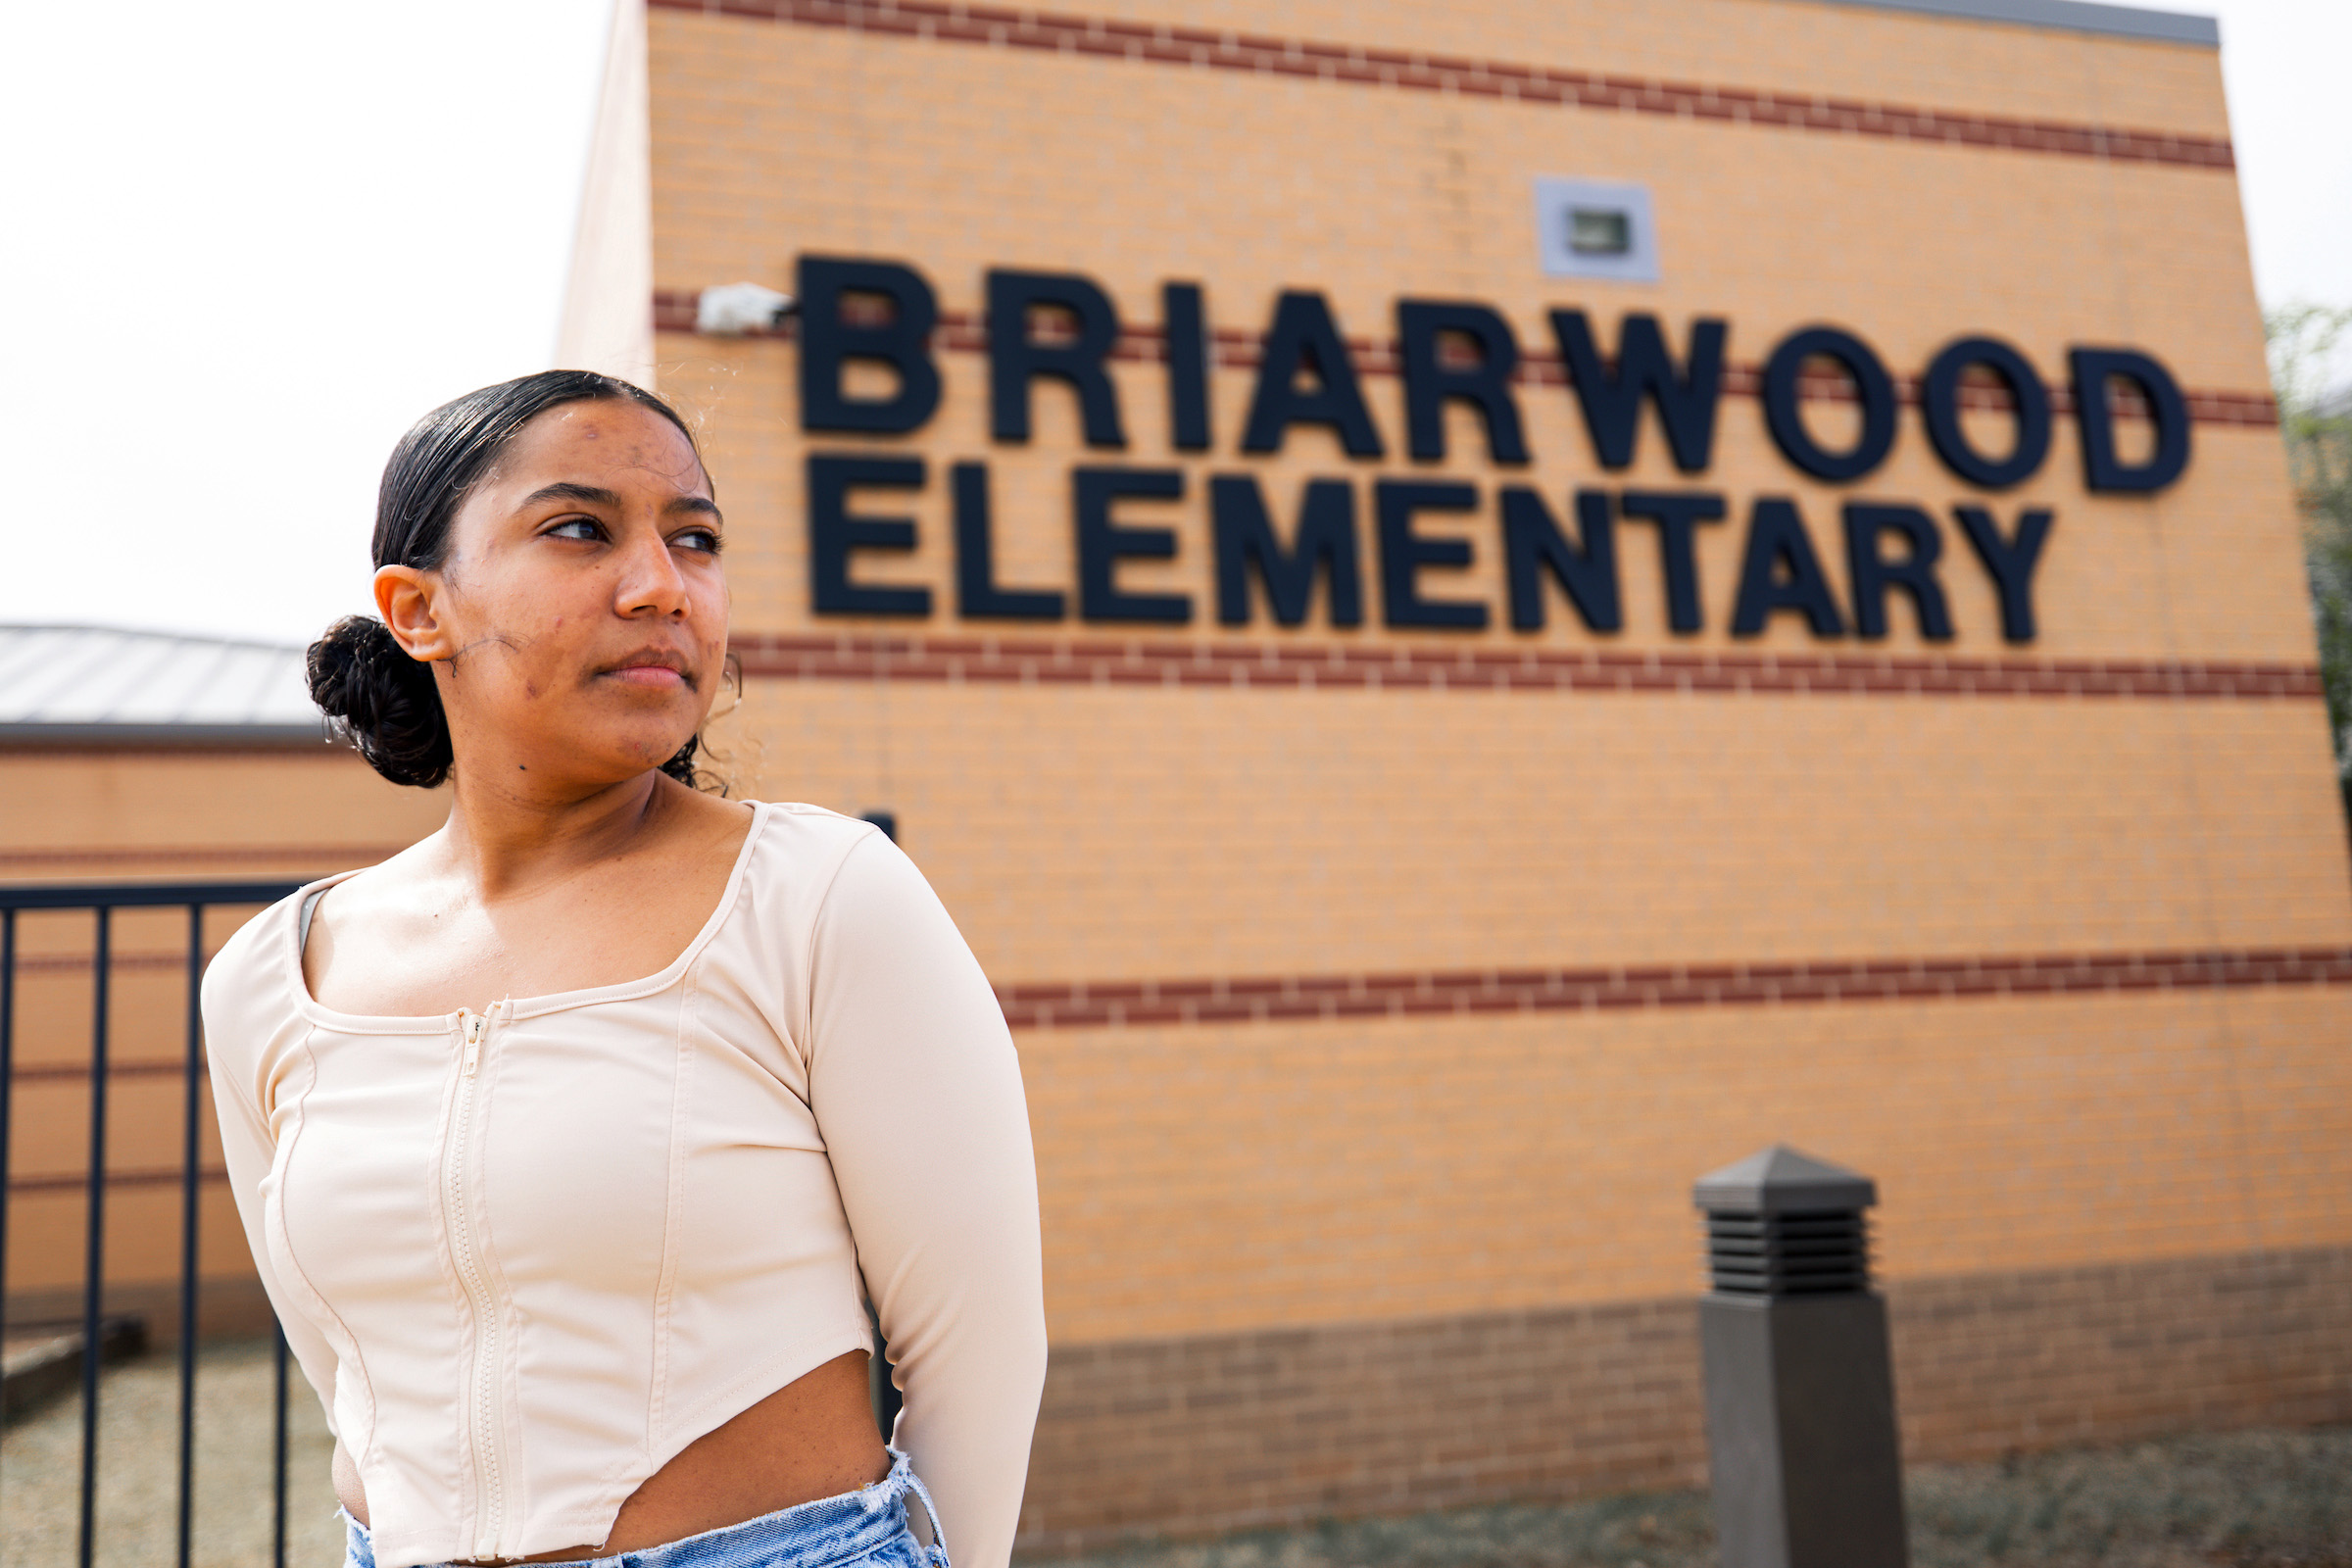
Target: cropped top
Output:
[{"x": 528, "y": 1255}]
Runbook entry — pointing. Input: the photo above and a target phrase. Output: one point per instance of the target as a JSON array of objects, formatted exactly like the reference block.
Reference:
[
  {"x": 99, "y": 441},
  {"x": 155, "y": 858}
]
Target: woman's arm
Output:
[{"x": 917, "y": 1092}]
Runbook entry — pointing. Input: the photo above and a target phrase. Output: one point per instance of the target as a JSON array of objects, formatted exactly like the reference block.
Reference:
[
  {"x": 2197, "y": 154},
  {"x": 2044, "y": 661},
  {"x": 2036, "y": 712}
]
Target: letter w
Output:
[{"x": 1611, "y": 399}]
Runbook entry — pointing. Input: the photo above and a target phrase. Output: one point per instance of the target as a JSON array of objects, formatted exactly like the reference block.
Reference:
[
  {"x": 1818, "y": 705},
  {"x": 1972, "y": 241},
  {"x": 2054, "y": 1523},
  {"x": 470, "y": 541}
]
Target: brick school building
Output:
[
  {"x": 146, "y": 757},
  {"x": 1479, "y": 609}
]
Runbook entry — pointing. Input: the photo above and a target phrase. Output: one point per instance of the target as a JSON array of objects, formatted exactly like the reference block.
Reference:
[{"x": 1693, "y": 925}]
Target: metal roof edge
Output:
[
  {"x": 154, "y": 634},
  {"x": 166, "y": 736},
  {"x": 2064, "y": 16}
]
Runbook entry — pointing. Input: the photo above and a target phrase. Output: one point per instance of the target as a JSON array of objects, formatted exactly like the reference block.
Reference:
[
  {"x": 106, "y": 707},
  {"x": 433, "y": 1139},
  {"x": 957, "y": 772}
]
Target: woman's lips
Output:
[
  {"x": 660, "y": 677},
  {"x": 661, "y": 672}
]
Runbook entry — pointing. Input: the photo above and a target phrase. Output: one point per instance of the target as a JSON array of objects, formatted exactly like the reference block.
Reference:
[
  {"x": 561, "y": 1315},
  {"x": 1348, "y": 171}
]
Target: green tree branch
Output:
[{"x": 2317, "y": 423}]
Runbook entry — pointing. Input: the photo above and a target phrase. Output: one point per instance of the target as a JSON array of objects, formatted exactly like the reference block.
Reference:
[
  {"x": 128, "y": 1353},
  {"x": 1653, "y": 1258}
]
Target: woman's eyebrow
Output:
[{"x": 563, "y": 490}]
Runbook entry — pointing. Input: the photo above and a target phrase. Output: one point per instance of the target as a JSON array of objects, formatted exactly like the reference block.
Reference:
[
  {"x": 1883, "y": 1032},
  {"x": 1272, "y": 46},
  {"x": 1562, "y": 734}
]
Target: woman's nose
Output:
[{"x": 650, "y": 583}]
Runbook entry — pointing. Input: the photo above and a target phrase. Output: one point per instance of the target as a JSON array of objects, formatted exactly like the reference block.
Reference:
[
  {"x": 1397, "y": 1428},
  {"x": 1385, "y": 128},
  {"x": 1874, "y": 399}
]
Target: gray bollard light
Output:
[{"x": 1802, "y": 1437}]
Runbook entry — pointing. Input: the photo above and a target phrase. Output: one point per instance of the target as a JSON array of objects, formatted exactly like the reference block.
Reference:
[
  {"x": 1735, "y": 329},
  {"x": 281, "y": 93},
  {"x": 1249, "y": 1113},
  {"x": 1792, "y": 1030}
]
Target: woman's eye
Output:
[
  {"x": 576, "y": 529},
  {"x": 705, "y": 540}
]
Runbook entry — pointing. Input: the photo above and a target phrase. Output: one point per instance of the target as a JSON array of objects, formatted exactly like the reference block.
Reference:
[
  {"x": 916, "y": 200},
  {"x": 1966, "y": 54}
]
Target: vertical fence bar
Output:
[
  {"x": 189, "y": 1143},
  {"x": 93, "y": 1281},
  {"x": 277, "y": 1460},
  {"x": 102, "y": 900},
  {"x": 7, "y": 1085}
]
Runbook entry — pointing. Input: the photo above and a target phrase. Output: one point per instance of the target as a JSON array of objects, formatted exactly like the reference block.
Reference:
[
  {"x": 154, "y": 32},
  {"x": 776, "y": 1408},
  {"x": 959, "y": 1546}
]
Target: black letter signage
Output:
[
  {"x": 1940, "y": 401},
  {"x": 1014, "y": 358},
  {"x": 1532, "y": 542},
  {"x": 1611, "y": 397},
  {"x": 1781, "y": 571},
  {"x": 860, "y": 319},
  {"x": 1677, "y": 515},
  {"x": 1870, "y": 574},
  {"x": 1485, "y": 385},
  {"x": 1184, "y": 329},
  {"x": 1304, "y": 340},
  {"x": 1785, "y": 417},
  {"x": 833, "y": 533},
  {"x": 2102, "y": 468},
  {"x": 1326, "y": 542},
  {"x": 902, "y": 341},
  {"x": 2009, "y": 562},
  {"x": 1403, "y": 553},
  {"x": 977, "y": 595},
  {"x": 1102, "y": 543}
]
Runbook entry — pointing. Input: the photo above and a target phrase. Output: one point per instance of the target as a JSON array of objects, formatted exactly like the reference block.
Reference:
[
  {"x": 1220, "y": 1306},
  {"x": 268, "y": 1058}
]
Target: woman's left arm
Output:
[{"x": 918, "y": 1093}]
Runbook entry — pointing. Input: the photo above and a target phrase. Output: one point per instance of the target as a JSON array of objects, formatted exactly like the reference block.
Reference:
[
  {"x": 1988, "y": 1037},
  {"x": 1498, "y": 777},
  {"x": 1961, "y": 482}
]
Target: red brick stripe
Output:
[
  {"x": 1343, "y": 64},
  {"x": 80, "y": 1071},
  {"x": 116, "y": 963},
  {"x": 1041, "y": 662},
  {"x": 153, "y": 1176},
  {"x": 959, "y": 332},
  {"x": 1278, "y": 999},
  {"x": 334, "y": 856}
]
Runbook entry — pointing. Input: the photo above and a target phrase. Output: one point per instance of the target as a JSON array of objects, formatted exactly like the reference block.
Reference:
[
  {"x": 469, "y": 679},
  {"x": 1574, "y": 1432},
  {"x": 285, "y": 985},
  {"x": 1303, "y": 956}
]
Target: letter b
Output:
[{"x": 899, "y": 339}]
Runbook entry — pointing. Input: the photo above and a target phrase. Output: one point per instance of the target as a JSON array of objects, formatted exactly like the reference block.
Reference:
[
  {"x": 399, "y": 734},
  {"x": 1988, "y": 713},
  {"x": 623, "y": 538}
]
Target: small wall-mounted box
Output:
[{"x": 1596, "y": 229}]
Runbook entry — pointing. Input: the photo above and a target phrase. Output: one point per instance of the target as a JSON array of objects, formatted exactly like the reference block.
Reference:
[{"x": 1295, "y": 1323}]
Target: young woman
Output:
[{"x": 572, "y": 1142}]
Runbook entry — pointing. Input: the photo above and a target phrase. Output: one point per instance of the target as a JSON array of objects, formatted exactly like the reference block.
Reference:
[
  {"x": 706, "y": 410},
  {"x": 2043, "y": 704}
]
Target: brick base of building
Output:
[
  {"x": 1229, "y": 1432},
  {"x": 225, "y": 1309}
]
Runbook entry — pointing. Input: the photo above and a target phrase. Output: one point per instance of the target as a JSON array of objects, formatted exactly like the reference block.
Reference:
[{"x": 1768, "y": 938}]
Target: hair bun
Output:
[{"x": 383, "y": 700}]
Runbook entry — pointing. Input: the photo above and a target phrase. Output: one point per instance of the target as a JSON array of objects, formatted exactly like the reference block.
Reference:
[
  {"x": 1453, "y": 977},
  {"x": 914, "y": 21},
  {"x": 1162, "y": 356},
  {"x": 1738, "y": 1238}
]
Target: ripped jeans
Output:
[{"x": 868, "y": 1528}]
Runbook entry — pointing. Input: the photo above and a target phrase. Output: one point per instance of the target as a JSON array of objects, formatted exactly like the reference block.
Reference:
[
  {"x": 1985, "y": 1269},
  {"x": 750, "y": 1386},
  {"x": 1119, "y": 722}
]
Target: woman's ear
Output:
[{"x": 403, "y": 596}]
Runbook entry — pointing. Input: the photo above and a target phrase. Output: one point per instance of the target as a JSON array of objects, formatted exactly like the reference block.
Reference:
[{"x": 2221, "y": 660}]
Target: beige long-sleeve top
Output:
[{"x": 526, "y": 1255}]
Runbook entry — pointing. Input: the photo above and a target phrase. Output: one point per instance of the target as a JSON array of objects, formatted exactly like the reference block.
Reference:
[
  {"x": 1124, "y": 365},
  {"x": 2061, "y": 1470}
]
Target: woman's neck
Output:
[{"x": 515, "y": 840}]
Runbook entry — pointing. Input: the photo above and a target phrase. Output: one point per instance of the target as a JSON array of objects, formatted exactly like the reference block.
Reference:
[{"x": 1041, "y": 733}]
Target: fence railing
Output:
[{"x": 102, "y": 901}]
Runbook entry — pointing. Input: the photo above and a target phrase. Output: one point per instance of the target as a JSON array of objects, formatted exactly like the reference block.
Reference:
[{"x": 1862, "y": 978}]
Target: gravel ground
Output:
[
  {"x": 138, "y": 1470},
  {"x": 2245, "y": 1499}
]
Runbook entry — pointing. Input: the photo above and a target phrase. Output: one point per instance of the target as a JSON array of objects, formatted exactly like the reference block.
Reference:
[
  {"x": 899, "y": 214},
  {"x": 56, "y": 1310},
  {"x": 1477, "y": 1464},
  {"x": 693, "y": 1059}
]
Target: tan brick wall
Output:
[
  {"x": 1119, "y": 834},
  {"x": 1278, "y": 1426},
  {"x": 175, "y": 814},
  {"x": 1216, "y": 1178},
  {"x": 1810, "y": 48},
  {"x": 769, "y": 141},
  {"x": 199, "y": 813},
  {"x": 1211, "y": 1179}
]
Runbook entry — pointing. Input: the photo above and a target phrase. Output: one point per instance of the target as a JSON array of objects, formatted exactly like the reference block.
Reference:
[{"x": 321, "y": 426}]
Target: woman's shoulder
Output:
[
  {"x": 261, "y": 962},
  {"x": 249, "y": 970},
  {"x": 803, "y": 852},
  {"x": 796, "y": 831}
]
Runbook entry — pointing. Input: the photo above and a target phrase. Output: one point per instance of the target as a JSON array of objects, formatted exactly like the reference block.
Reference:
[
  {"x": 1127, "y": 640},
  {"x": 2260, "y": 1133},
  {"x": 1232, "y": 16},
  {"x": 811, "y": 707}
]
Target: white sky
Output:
[{"x": 250, "y": 241}]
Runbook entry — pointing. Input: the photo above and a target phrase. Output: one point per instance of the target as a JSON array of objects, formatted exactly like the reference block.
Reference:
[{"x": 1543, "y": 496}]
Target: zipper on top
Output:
[{"x": 489, "y": 1463}]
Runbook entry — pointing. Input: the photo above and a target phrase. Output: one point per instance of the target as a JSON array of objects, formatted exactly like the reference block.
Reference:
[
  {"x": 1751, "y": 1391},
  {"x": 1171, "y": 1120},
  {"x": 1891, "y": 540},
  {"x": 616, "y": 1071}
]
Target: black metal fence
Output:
[{"x": 102, "y": 901}]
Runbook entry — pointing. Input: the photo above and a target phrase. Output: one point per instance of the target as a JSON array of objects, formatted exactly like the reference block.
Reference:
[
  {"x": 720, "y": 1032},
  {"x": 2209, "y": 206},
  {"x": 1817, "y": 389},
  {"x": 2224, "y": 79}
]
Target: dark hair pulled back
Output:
[{"x": 365, "y": 681}]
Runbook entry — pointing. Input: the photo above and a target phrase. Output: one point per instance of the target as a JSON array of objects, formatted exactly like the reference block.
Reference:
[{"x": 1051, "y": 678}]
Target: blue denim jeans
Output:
[{"x": 863, "y": 1529}]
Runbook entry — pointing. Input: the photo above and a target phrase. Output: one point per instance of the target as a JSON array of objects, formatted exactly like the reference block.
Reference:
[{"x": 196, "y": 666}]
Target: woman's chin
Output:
[
  {"x": 640, "y": 753},
  {"x": 599, "y": 762}
]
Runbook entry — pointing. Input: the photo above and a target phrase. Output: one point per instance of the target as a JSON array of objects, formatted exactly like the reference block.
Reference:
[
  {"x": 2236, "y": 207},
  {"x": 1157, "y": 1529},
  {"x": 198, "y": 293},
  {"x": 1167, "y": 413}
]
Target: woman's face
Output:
[{"x": 578, "y": 620}]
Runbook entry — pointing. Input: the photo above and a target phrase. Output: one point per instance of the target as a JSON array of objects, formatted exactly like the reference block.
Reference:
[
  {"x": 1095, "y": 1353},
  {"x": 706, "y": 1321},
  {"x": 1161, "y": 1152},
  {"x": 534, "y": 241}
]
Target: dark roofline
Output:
[
  {"x": 155, "y": 633},
  {"x": 2064, "y": 16},
  {"x": 169, "y": 737}
]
